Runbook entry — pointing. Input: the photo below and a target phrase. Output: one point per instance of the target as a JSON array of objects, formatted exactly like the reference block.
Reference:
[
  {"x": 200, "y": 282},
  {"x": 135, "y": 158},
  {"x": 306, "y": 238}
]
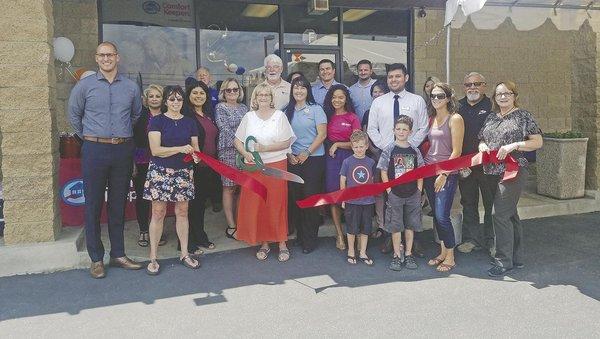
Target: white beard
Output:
[{"x": 473, "y": 96}]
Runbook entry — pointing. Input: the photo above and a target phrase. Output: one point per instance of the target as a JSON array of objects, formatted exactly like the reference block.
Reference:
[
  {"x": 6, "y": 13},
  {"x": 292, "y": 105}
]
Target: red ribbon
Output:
[
  {"x": 512, "y": 168},
  {"x": 239, "y": 177}
]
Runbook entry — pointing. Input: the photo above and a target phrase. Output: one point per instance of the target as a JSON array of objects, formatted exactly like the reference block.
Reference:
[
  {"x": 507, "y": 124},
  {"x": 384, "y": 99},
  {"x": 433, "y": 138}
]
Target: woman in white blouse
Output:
[{"x": 258, "y": 221}]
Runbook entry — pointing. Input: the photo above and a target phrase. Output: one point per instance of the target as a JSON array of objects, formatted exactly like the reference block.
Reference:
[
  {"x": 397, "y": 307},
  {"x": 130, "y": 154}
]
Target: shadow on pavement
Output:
[{"x": 559, "y": 251}]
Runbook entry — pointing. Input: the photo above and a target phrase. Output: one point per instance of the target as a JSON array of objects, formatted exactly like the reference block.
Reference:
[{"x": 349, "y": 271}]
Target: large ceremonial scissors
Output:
[{"x": 259, "y": 165}]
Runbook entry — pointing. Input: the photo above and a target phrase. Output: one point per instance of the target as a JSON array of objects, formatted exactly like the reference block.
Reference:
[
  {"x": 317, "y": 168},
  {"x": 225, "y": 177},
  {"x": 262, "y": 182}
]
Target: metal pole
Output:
[{"x": 448, "y": 55}]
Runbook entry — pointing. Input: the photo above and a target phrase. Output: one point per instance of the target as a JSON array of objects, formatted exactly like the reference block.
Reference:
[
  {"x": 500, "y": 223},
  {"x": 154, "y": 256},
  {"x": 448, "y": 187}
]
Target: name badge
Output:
[
  {"x": 345, "y": 124},
  {"x": 405, "y": 108},
  {"x": 482, "y": 112}
]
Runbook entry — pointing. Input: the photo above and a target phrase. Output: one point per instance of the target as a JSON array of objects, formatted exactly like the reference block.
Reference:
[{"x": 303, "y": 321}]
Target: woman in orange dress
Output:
[{"x": 261, "y": 222}]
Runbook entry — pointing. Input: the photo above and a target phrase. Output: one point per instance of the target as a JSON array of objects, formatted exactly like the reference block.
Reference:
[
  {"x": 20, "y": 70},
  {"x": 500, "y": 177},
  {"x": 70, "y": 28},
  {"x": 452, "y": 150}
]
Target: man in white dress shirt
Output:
[{"x": 386, "y": 109}]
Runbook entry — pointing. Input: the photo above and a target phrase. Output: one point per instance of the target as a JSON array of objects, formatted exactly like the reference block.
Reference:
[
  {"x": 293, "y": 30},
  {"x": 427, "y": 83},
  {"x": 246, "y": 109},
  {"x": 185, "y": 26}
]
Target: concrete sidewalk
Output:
[
  {"x": 318, "y": 295},
  {"x": 69, "y": 251}
]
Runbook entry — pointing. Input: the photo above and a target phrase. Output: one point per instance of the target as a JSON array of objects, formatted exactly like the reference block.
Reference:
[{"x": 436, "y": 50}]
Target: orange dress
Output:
[{"x": 259, "y": 221}]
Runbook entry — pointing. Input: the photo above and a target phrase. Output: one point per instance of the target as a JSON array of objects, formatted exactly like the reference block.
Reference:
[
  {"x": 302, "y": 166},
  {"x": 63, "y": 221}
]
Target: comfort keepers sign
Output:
[{"x": 170, "y": 13}]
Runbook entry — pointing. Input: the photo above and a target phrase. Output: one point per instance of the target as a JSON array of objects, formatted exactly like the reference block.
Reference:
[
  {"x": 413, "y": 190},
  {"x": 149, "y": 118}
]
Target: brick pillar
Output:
[
  {"x": 28, "y": 138},
  {"x": 585, "y": 111}
]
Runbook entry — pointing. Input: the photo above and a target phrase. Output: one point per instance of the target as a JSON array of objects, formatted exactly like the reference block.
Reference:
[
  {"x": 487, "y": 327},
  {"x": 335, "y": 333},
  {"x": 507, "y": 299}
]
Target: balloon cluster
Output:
[{"x": 64, "y": 50}]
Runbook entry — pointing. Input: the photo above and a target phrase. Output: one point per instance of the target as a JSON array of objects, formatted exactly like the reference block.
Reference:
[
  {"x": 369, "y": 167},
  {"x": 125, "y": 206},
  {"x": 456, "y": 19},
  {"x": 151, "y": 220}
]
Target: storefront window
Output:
[
  {"x": 157, "y": 42},
  {"x": 302, "y": 28},
  {"x": 238, "y": 35},
  {"x": 378, "y": 36}
]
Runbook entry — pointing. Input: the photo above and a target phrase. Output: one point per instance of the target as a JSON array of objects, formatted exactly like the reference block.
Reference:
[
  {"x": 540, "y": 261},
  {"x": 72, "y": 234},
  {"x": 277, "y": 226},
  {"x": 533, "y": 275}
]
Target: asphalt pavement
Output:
[{"x": 318, "y": 295}]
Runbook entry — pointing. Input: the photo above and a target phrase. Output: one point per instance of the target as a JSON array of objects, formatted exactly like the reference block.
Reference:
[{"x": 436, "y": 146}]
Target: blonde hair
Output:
[
  {"x": 224, "y": 85},
  {"x": 151, "y": 87},
  {"x": 262, "y": 87},
  {"x": 511, "y": 86},
  {"x": 359, "y": 135}
]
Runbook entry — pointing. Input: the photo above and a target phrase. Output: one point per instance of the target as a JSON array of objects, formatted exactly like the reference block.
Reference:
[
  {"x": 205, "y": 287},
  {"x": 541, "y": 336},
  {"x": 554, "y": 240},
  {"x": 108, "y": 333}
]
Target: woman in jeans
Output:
[
  {"x": 446, "y": 138},
  {"x": 510, "y": 130}
]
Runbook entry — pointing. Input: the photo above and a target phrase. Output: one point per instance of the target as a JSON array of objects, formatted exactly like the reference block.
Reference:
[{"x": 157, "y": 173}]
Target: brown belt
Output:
[{"x": 114, "y": 141}]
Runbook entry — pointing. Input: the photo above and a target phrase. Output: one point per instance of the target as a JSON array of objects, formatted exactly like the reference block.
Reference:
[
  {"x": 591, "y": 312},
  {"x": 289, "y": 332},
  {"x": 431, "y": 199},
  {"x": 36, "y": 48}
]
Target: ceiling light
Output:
[
  {"x": 352, "y": 15},
  {"x": 259, "y": 11}
]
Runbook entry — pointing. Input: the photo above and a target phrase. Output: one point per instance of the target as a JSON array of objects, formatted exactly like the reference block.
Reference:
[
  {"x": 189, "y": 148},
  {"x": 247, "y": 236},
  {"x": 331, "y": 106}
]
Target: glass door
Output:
[{"x": 306, "y": 60}]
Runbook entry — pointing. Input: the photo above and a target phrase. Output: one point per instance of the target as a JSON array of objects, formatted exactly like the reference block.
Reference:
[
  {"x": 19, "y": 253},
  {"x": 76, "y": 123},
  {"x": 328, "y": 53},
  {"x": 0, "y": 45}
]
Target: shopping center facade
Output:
[{"x": 165, "y": 41}]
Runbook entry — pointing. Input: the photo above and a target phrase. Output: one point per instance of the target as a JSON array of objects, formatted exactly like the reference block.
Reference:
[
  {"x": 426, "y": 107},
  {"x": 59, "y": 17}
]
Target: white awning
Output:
[{"x": 524, "y": 14}]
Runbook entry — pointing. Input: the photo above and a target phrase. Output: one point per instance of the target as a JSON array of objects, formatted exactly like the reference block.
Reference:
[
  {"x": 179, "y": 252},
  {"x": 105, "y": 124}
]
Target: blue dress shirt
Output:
[
  {"x": 101, "y": 109},
  {"x": 319, "y": 91}
]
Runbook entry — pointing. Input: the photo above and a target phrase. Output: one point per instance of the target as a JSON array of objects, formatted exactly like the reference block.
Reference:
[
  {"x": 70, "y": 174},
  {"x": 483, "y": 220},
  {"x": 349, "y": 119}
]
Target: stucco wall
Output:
[{"x": 78, "y": 21}]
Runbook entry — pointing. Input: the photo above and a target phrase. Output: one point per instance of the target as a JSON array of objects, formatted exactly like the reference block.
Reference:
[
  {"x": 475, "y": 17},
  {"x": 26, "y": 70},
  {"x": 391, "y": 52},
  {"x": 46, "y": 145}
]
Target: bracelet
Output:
[{"x": 308, "y": 152}]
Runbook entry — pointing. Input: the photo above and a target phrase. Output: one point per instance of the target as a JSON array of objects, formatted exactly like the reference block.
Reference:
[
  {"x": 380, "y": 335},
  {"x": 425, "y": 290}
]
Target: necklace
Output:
[
  {"x": 509, "y": 111},
  {"x": 175, "y": 120}
]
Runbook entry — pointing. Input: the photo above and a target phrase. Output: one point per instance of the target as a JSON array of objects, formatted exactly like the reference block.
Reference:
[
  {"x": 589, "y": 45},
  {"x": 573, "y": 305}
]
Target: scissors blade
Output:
[{"x": 281, "y": 174}]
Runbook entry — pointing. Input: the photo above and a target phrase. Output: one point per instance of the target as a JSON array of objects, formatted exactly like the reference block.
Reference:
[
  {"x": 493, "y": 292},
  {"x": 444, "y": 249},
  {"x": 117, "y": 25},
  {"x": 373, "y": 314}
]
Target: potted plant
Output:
[{"x": 561, "y": 165}]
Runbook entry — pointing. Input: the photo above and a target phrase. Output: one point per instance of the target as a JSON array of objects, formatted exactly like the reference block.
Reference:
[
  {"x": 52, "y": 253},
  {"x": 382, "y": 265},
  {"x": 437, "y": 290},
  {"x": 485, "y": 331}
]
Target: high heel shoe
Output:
[
  {"x": 340, "y": 244},
  {"x": 230, "y": 235}
]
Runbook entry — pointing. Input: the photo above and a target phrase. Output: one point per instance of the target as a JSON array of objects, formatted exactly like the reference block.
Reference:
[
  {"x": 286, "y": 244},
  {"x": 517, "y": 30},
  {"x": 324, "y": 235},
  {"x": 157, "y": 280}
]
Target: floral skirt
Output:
[{"x": 169, "y": 184}]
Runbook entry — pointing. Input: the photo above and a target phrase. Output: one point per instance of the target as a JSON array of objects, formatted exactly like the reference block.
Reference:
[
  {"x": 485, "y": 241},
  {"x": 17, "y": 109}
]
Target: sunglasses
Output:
[
  {"x": 439, "y": 96},
  {"x": 175, "y": 99},
  {"x": 232, "y": 90},
  {"x": 474, "y": 84}
]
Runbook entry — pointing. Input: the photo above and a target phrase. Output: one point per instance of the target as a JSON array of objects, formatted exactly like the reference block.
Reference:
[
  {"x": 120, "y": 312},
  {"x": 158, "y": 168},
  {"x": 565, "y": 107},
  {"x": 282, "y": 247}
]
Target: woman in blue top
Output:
[
  {"x": 307, "y": 159},
  {"x": 171, "y": 135}
]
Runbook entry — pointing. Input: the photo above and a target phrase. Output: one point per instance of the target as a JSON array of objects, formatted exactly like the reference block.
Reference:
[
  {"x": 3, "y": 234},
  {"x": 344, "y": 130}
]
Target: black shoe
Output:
[
  {"x": 518, "y": 265},
  {"x": 410, "y": 263},
  {"x": 497, "y": 271}
]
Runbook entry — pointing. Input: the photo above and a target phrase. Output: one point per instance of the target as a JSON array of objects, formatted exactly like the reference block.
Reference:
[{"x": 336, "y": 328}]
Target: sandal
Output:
[
  {"x": 143, "y": 241},
  {"x": 435, "y": 261},
  {"x": 351, "y": 259},
  {"x": 185, "y": 261},
  {"x": 153, "y": 263},
  {"x": 232, "y": 234},
  {"x": 340, "y": 244},
  {"x": 163, "y": 240},
  {"x": 209, "y": 245},
  {"x": 198, "y": 251},
  {"x": 263, "y": 254},
  {"x": 284, "y": 255},
  {"x": 379, "y": 232},
  {"x": 367, "y": 261},
  {"x": 445, "y": 267}
]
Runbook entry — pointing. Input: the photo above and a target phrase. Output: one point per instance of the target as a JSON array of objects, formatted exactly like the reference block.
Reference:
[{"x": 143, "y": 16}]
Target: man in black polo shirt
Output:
[{"x": 474, "y": 108}]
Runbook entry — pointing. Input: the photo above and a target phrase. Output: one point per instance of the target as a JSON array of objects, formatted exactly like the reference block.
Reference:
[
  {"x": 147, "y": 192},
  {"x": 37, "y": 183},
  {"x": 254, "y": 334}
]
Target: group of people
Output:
[{"x": 332, "y": 136}]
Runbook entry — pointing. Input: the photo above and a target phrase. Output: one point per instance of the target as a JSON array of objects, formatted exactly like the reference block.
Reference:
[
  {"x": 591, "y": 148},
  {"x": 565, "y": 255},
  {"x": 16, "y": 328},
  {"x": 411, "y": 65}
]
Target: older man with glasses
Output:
[
  {"x": 474, "y": 108},
  {"x": 281, "y": 88}
]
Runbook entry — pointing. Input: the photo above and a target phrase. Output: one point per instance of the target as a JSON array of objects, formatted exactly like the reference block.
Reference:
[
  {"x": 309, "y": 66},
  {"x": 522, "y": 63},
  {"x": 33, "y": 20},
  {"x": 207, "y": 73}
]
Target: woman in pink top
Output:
[
  {"x": 446, "y": 138},
  {"x": 341, "y": 122}
]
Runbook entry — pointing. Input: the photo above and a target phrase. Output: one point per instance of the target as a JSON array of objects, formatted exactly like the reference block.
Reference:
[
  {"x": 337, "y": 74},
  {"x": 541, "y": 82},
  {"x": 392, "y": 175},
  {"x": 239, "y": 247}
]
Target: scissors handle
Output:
[{"x": 258, "y": 163}]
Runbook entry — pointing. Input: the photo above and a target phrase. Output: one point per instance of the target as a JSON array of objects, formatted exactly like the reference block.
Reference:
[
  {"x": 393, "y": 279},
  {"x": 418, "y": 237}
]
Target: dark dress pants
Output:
[
  {"x": 106, "y": 165},
  {"x": 142, "y": 206},
  {"x": 205, "y": 183},
  {"x": 469, "y": 199},
  {"x": 306, "y": 220},
  {"x": 507, "y": 224}
]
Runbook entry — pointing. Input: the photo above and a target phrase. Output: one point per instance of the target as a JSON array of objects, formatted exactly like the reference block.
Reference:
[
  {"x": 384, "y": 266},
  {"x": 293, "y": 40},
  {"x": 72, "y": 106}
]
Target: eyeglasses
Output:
[
  {"x": 474, "y": 84},
  {"x": 232, "y": 90},
  {"x": 439, "y": 96},
  {"x": 263, "y": 95},
  {"x": 504, "y": 94},
  {"x": 106, "y": 55},
  {"x": 175, "y": 99}
]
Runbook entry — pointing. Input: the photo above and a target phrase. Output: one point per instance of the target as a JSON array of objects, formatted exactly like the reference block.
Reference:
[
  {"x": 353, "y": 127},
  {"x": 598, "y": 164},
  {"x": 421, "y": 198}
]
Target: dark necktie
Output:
[{"x": 396, "y": 108}]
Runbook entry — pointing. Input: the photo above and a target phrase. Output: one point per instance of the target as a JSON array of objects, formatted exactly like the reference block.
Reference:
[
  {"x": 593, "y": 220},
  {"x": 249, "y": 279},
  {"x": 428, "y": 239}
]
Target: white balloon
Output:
[
  {"x": 232, "y": 68},
  {"x": 86, "y": 74},
  {"x": 63, "y": 49}
]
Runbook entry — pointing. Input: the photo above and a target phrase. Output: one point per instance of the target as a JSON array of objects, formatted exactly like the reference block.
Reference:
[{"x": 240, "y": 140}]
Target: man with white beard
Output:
[
  {"x": 281, "y": 88},
  {"x": 474, "y": 108}
]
